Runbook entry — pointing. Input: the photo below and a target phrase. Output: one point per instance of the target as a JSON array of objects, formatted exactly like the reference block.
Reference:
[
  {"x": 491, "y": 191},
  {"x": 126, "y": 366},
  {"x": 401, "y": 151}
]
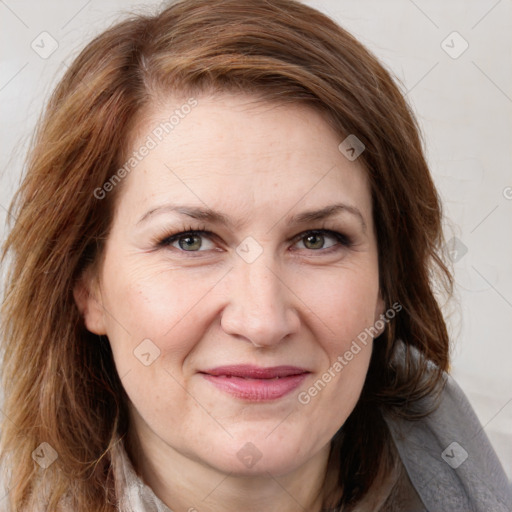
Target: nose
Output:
[{"x": 260, "y": 308}]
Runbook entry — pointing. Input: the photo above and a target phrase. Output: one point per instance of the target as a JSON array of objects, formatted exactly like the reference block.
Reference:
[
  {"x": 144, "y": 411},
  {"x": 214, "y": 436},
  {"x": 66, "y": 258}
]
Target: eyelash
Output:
[{"x": 341, "y": 239}]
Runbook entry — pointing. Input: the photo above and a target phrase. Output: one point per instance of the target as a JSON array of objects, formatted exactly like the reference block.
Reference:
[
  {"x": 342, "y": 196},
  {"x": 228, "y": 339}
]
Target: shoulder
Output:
[{"x": 449, "y": 458}]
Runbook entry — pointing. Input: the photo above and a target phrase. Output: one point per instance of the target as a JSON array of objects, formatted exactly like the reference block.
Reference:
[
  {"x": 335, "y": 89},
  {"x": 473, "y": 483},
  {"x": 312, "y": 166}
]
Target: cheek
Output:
[
  {"x": 156, "y": 320},
  {"x": 331, "y": 396},
  {"x": 147, "y": 303},
  {"x": 343, "y": 300}
]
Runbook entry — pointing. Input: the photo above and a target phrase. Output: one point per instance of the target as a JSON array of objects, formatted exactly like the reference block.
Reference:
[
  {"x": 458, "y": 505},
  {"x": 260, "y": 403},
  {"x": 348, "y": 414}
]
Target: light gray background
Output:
[{"x": 464, "y": 106}]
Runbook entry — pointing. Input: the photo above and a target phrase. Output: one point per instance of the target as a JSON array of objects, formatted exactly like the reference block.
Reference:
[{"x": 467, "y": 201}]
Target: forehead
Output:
[{"x": 231, "y": 151}]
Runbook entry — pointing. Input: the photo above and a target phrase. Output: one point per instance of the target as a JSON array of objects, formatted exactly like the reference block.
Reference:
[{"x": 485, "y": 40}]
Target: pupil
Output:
[
  {"x": 191, "y": 242},
  {"x": 314, "y": 241}
]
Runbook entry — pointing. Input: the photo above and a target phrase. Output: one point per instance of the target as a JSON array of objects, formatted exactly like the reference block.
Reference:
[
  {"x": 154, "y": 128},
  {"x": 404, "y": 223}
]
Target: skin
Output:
[{"x": 298, "y": 303}]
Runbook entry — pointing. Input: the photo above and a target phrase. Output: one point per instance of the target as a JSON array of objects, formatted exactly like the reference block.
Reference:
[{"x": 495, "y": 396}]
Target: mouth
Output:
[{"x": 254, "y": 383}]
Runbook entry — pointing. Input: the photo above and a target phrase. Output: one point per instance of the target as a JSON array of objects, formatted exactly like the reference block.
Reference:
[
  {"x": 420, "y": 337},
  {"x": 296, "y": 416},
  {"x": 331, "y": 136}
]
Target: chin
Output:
[{"x": 261, "y": 454}]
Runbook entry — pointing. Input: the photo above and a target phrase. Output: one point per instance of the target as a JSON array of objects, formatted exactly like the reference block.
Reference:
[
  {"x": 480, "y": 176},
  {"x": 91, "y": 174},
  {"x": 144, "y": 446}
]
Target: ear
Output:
[{"x": 90, "y": 303}]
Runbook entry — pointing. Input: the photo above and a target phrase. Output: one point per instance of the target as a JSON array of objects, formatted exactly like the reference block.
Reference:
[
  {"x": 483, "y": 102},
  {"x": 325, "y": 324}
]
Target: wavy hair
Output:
[{"x": 60, "y": 383}]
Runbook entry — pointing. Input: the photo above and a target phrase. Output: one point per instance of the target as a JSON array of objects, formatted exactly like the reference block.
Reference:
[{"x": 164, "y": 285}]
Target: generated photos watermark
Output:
[
  {"x": 156, "y": 136},
  {"x": 337, "y": 367}
]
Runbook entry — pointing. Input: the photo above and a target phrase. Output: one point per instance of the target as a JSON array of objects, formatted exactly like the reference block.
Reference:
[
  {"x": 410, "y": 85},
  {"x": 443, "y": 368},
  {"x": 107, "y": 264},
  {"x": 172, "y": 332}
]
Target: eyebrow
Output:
[{"x": 216, "y": 217}]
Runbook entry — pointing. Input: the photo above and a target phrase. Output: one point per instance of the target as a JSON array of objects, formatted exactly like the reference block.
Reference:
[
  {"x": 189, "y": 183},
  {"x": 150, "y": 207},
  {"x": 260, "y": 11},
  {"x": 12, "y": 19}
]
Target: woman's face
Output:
[{"x": 235, "y": 343}]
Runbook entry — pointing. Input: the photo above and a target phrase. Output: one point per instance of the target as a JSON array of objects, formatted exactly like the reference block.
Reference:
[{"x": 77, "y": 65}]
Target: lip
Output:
[{"x": 255, "y": 383}]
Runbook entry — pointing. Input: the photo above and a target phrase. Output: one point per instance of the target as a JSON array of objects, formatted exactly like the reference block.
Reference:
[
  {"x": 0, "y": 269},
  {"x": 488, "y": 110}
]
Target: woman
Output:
[{"x": 220, "y": 292}]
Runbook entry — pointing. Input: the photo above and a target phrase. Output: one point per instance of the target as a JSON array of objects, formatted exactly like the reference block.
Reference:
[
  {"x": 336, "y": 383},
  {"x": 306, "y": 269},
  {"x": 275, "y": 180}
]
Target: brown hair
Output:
[{"x": 60, "y": 382}]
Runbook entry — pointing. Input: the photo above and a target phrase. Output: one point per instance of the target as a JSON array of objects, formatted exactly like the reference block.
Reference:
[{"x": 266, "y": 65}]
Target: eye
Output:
[
  {"x": 319, "y": 240},
  {"x": 189, "y": 241},
  {"x": 322, "y": 239}
]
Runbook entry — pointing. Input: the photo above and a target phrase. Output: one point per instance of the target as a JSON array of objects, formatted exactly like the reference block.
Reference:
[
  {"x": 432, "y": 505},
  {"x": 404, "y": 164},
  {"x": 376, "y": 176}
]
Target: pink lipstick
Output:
[{"x": 254, "y": 383}]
